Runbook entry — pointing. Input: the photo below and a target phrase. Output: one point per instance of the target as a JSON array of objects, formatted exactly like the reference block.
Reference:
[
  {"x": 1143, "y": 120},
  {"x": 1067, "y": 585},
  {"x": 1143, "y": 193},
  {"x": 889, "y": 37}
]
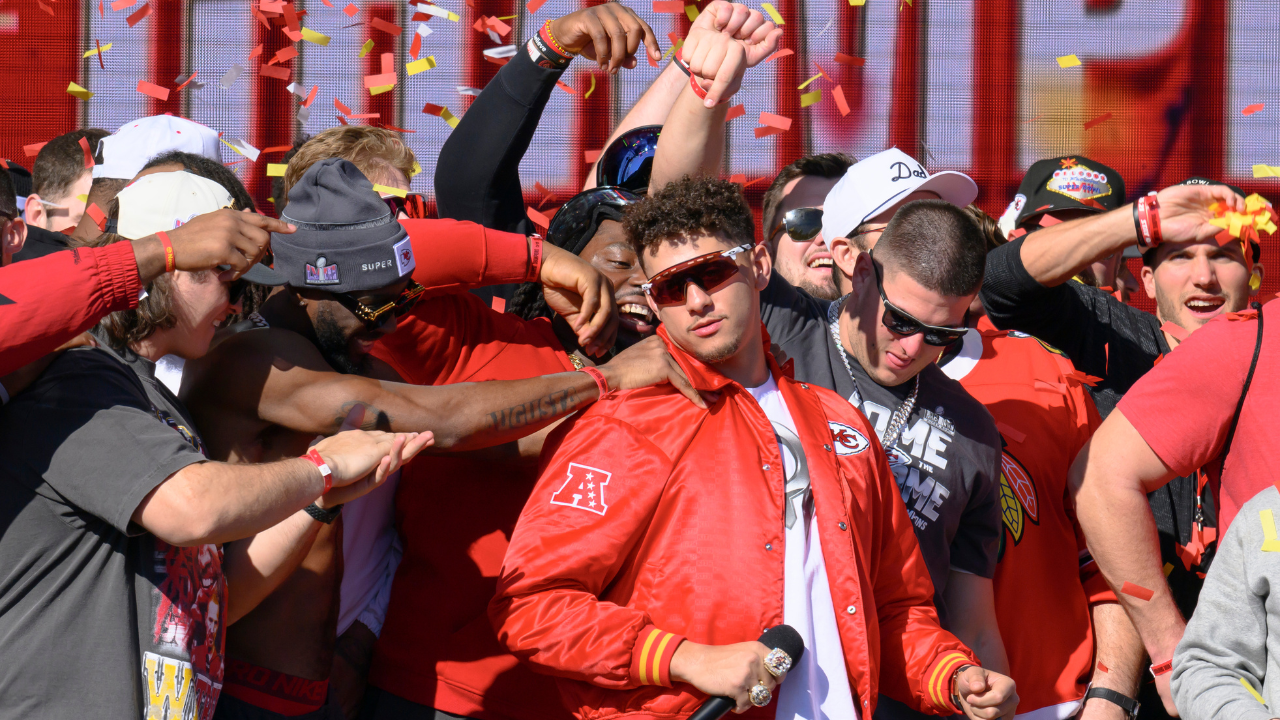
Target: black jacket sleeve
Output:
[
  {"x": 1085, "y": 323},
  {"x": 478, "y": 173}
]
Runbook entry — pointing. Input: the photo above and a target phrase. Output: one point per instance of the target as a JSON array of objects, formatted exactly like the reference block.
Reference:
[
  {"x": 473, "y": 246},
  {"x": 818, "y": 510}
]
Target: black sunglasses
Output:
[
  {"x": 708, "y": 272},
  {"x": 413, "y": 205},
  {"x": 801, "y": 224},
  {"x": 900, "y": 322},
  {"x": 372, "y": 317}
]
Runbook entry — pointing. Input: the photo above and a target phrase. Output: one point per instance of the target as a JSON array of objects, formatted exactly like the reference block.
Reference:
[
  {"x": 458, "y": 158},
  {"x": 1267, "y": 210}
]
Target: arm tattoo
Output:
[
  {"x": 546, "y": 408},
  {"x": 374, "y": 419}
]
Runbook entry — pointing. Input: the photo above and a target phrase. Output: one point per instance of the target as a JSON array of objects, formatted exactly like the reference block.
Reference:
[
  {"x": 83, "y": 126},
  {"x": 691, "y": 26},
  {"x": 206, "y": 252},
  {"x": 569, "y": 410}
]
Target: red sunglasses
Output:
[
  {"x": 413, "y": 205},
  {"x": 708, "y": 272}
]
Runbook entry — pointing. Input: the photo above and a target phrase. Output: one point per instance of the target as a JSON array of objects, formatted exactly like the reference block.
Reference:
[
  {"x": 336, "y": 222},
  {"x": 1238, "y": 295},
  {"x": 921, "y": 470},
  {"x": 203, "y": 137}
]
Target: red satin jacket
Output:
[{"x": 654, "y": 521}]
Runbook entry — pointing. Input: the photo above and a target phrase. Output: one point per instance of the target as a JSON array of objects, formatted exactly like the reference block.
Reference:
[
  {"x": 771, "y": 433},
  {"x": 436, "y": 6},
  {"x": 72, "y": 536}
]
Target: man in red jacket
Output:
[{"x": 662, "y": 538}]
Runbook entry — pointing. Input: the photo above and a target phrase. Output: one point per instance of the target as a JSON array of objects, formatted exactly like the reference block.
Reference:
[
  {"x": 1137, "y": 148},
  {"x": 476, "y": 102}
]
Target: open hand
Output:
[{"x": 610, "y": 34}]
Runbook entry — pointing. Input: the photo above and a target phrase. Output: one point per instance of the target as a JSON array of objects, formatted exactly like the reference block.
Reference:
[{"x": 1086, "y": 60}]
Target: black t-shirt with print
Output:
[
  {"x": 99, "y": 618},
  {"x": 947, "y": 458}
]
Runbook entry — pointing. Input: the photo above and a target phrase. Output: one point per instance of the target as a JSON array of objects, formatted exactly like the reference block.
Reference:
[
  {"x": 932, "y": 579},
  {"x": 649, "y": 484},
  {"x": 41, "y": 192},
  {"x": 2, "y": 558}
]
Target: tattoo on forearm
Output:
[
  {"x": 546, "y": 408},
  {"x": 374, "y": 419}
]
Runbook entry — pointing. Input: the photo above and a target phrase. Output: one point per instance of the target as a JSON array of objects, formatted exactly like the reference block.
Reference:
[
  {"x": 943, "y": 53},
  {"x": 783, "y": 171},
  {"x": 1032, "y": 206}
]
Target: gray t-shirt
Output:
[
  {"x": 947, "y": 458},
  {"x": 99, "y": 618}
]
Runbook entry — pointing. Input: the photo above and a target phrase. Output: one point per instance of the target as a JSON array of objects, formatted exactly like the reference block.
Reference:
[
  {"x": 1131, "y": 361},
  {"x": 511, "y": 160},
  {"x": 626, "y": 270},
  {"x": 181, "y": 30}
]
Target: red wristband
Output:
[
  {"x": 699, "y": 91},
  {"x": 168, "y": 250},
  {"x": 314, "y": 456},
  {"x": 1162, "y": 669},
  {"x": 599, "y": 378},
  {"x": 535, "y": 258},
  {"x": 1147, "y": 217},
  {"x": 550, "y": 40}
]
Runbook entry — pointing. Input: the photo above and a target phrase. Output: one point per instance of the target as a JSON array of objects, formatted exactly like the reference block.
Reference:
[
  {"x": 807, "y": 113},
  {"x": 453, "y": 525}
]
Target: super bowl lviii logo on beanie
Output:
[
  {"x": 322, "y": 273},
  {"x": 1078, "y": 181}
]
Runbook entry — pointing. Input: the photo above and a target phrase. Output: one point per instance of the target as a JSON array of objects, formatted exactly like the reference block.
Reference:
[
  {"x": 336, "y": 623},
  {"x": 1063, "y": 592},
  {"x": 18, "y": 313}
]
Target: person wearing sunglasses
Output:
[
  {"x": 792, "y": 222},
  {"x": 776, "y": 489}
]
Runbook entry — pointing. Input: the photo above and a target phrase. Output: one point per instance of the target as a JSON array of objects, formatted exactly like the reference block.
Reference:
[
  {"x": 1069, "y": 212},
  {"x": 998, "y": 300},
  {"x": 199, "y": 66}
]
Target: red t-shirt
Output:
[
  {"x": 455, "y": 514},
  {"x": 1045, "y": 580},
  {"x": 1183, "y": 406}
]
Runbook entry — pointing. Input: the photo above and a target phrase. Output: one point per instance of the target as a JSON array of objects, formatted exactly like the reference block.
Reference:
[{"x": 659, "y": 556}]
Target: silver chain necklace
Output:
[{"x": 899, "y": 418}]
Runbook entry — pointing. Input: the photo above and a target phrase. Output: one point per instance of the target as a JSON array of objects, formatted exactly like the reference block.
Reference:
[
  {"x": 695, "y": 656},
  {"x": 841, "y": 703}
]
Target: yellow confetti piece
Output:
[
  {"x": 508, "y": 17},
  {"x": 857, "y": 3},
  {"x": 95, "y": 50},
  {"x": 422, "y": 65},
  {"x": 1168, "y": 568},
  {"x": 312, "y": 36},
  {"x": 233, "y": 147},
  {"x": 416, "y": 169},
  {"x": 364, "y": 50},
  {"x": 805, "y": 84},
  {"x": 810, "y": 98},
  {"x": 592, "y": 89},
  {"x": 76, "y": 90},
  {"x": 449, "y": 118},
  {"x": 692, "y": 12},
  {"x": 276, "y": 169},
  {"x": 390, "y": 190},
  {"x": 1254, "y": 203},
  {"x": 673, "y": 49},
  {"x": 1067, "y": 61},
  {"x": 1269, "y": 541},
  {"x": 773, "y": 14},
  {"x": 1252, "y": 692},
  {"x": 1261, "y": 171},
  {"x": 380, "y": 89}
]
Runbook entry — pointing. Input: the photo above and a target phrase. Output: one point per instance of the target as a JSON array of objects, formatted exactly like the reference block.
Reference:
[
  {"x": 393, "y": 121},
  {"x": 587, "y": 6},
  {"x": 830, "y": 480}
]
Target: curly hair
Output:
[
  {"x": 687, "y": 207},
  {"x": 371, "y": 149}
]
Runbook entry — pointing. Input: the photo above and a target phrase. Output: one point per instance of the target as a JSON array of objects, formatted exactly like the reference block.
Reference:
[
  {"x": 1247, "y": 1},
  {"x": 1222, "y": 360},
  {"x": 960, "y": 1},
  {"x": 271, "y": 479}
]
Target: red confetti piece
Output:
[
  {"x": 844, "y": 59},
  {"x": 822, "y": 72},
  {"x": 535, "y": 5},
  {"x": 780, "y": 54},
  {"x": 1136, "y": 591},
  {"x": 1103, "y": 668},
  {"x": 1175, "y": 330},
  {"x": 1251, "y": 109},
  {"x": 432, "y": 109},
  {"x": 502, "y": 61},
  {"x": 291, "y": 18},
  {"x": 101, "y": 64},
  {"x": 739, "y": 179},
  {"x": 34, "y": 148},
  {"x": 566, "y": 88},
  {"x": 310, "y": 96},
  {"x": 365, "y": 116},
  {"x": 284, "y": 54},
  {"x": 255, "y": 52},
  {"x": 273, "y": 71},
  {"x": 341, "y": 119},
  {"x": 388, "y": 63},
  {"x": 119, "y": 5},
  {"x": 499, "y": 304},
  {"x": 590, "y": 156},
  {"x": 386, "y": 27},
  {"x": 735, "y": 112},
  {"x": 538, "y": 218},
  {"x": 275, "y": 148},
  {"x": 778, "y": 121},
  {"x": 100, "y": 13},
  {"x": 668, "y": 6},
  {"x": 842, "y": 105},
  {"x": 1097, "y": 121},
  {"x": 262, "y": 19},
  {"x": 1048, "y": 220},
  {"x": 327, "y": 3},
  {"x": 1011, "y": 433},
  {"x": 398, "y": 129},
  {"x": 1083, "y": 378},
  {"x": 373, "y": 81},
  {"x": 46, "y": 8},
  {"x": 99, "y": 218},
  {"x": 762, "y": 132},
  {"x": 351, "y": 10},
  {"x": 139, "y": 15},
  {"x": 153, "y": 90},
  {"x": 88, "y": 154},
  {"x": 416, "y": 47},
  {"x": 342, "y": 108}
]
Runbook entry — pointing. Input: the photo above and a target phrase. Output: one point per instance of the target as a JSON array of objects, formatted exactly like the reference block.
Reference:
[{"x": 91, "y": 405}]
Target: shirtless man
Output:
[{"x": 266, "y": 393}]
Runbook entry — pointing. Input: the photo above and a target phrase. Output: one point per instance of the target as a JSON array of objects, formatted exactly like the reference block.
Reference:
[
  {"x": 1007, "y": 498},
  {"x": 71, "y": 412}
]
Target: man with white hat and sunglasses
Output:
[{"x": 877, "y": 346}]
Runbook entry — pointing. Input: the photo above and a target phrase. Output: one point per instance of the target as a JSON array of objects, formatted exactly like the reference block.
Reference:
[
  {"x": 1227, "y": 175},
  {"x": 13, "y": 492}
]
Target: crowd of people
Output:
[{"x": 356, "y": 461}]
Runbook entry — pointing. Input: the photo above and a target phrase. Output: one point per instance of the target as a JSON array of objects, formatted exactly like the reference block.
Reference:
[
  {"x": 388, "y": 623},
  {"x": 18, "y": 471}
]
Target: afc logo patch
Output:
[
  {"x": 583, "y": 489},
  {"x": 847, "y": 440}
]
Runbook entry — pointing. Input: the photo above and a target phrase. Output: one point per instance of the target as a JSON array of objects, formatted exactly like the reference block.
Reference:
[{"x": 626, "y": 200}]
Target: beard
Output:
[
  {"x": 333, "y": 344},
  {"x": 798, "y": 275},
  {"x": 717, "y": 354}
]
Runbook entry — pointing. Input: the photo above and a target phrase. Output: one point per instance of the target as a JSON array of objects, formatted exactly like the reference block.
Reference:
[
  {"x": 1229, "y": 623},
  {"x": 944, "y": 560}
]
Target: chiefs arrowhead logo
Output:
[
  {"x": 584, "y": 489},
  {"x": 848, "y": 440}
]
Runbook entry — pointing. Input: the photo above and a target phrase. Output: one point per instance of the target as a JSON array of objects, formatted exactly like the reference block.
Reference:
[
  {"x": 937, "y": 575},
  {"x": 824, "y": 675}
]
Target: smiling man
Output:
[{"x": 792, "y": 222}]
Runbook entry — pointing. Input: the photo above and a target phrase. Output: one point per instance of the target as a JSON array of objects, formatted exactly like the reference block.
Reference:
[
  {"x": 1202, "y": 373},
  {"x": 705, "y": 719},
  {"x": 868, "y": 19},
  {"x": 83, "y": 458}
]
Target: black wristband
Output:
[
  {"x": 680, "y": 63},
  {"x": 551, "y": 59},
  {"x": 325, "y": 516},
  {"x": 1137, "y": 224},
  {"x": 1126, "y": 703}
]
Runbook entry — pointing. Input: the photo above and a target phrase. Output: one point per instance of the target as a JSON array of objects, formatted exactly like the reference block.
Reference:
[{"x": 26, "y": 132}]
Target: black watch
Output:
[
  {"x": 325, "y": 516},
  {"x": 1126, "y": 703}
]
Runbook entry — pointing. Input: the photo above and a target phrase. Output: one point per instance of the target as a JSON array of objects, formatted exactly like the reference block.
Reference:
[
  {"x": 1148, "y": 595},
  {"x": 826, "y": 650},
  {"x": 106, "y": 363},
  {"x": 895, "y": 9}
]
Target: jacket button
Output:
[
  {"x": 765, "y": 468},
  {"x": 827, "y": 448},
  {"x": 843, "y": 526},
  {"x": 851, "y": 609},
  {"x": 768, "y": 546},
  {"x": 803, "y": 386},
  {"x": 864, "y": 703}
]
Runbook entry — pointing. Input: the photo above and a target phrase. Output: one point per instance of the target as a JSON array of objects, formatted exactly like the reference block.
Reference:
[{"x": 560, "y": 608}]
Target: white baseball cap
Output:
[
  {"x": 164, "y": 201},
  {"x": 136, "y": 143},
  {"x": 876, "y": 183}
]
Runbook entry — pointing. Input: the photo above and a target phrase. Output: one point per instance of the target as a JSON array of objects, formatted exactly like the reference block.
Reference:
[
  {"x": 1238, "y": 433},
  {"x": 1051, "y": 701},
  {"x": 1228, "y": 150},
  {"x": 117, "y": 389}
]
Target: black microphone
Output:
[{"x": 783, "y": 637}]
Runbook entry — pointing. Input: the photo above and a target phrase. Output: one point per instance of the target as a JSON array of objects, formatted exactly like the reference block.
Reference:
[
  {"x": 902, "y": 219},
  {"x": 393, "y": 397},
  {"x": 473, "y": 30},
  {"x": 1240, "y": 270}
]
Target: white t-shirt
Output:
[{"x": 818, "y": 688}]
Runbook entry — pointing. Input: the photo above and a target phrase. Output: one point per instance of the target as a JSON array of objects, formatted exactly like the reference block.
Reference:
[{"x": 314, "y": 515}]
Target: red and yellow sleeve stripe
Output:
[
  {"x": 651, "y": 659},
  {"x": 939, "y": 685}
]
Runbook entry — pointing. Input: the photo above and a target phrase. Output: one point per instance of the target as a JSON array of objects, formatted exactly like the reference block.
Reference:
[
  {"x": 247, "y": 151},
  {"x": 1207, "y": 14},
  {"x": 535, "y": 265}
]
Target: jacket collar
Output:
[{"x": 705, "y": 378}]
